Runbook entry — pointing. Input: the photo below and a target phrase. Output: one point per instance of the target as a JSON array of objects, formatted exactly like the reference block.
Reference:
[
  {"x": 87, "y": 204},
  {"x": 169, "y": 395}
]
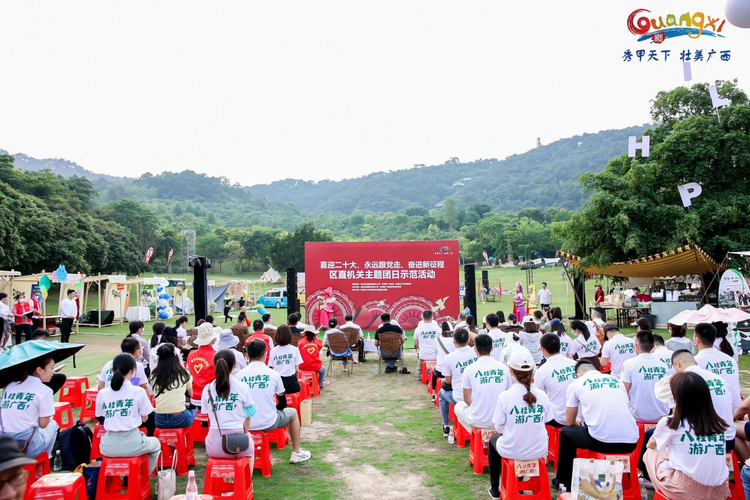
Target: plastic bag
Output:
[
  {"x": 597, "y": 479},
  {"x": 166, "y": 481}
]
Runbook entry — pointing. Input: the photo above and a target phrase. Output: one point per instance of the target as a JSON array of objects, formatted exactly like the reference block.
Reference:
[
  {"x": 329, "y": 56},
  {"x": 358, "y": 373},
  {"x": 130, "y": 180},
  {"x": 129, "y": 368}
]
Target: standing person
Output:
[
  {"x": 5, "y": 318},
  {"x": 13, "y": 477},
  {"x": 425, "y": 340},
  {"x": 715, "y": 361},
  {"x": 585, "y": 345},
  {"x": 554, "y": 377},
  {"x": 519, "y": 302},
  {"x": 683, "y": 460},
  {"x": 326, "y": 307},
  {"x": 171, "y": 382},
  {"x": 285, "y": 359},
  {"x": 545, "y": 297},
  {"x": 200, "y": 362},
  {"x": 640, "y": 375},
  {"x": 180, "y": 326},
  {"x": 609, "y": 428},
  {"x": 229, "y": 406},
  {"x": 454, "y": 365},
  {"x": 125, "y": 407},
  {"x": 259, "y": 334},
  {"x": 227, "y": 308},
  {"x": 519, "y": 417},
  {"x": 28, "y": 408},
  {"x": 483, "y": 294},
  {"x": 677, "y": 340},
  {"x": 309, "y": 348},
  {"x": 444, "y": 347},
  {"x": 22, "y": 312},
  {"x": 617, "y": 349},
  {"x": 598, "y": 294},
  {"x": 36, "y": 306},
  {"x": 480, "y": 390},
  {"x": 266, "y": 388},
  {"x": 68, "y": 312}
]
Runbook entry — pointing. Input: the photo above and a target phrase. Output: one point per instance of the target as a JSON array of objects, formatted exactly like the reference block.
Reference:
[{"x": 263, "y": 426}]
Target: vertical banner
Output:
[
  {"x": 149, "y": 254},
  {"x": 366, "y": 279},
  {"x": 169, "y": 257}
]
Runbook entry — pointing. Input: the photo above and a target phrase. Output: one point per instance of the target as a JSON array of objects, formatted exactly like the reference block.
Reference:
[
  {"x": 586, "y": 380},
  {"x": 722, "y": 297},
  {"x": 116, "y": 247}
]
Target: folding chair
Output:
[
  {"x": 338, "y": 347},
  {"x": 390, "y": 342}
]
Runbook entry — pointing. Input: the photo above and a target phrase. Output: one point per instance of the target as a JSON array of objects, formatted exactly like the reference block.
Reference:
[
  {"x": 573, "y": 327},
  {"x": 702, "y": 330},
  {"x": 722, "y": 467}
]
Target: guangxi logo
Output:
[{"x": 670, "y": 26}]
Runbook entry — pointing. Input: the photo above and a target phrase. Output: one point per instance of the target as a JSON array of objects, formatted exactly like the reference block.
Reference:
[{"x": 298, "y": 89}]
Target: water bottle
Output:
[
  {"x": 451, "y": 436},
  {"x": 368, "y": 336},
  {"x": 376, "y": 371},
  {"x": 58, "y": 461},
  {"x": 191, "y": 492}
]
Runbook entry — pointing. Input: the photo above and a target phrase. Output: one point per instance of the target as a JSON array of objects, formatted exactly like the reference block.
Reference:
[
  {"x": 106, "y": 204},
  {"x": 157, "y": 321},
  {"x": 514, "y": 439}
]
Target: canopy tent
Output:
[
  {"x": 687, "y": 260},
  {"x": 271, "y": 276}
]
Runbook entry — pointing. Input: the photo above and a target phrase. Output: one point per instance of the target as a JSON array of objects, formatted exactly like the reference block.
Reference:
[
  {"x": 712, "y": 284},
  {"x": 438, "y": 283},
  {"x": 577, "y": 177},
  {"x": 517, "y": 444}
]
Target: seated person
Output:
[
  {"x": 453, "y": 369},
  {"x": 529, "y": 338},
  {"x": 171, "y": 382},
  {"x": 663, "y": 353},
  {"x": 444, "y": 347},
  {"x": 677, "y": 340},
  {"x": 518, "y": 436},
  {"x": 425, "y": 340},
  {"x": 481, "y": 391},
  {"x": 123, "y": 407},
  {"x": 259, "y": 335},
  {"x": 350, "y": 324},
  {"x": 28, "y": 408},
  {"x": 390, "y": 358},
  {"x": 309, "y": 348},
  {"x": 616, "y": 350},
  {"x": 58, "y": 379},
  {"x": 640, "y": 375},
  {"x": 332, "y": 324},
  {"x": 266, "y": 388},
  {"x": 228, "y": 340},
  {"x": 168, "y": 336},
  {"x": 286, "y": 359},
  {"x": 554, "y": 377},
  {"x": 229, "y": 406},
  {"x": 136, "y": 332},
  {"x": 268, "y": 321},
  {"x": 130, "y": 346},
  {"x": 240, "y": 328}
]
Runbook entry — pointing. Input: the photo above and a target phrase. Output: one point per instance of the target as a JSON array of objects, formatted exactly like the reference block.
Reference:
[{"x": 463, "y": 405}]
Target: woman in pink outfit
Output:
[
  {"x": 519, "y": 303},
  {"x": 326, "y": 308}
]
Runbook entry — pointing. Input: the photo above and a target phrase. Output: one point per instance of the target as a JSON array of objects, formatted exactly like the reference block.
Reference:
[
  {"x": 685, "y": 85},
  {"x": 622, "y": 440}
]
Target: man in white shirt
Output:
[
  {"x": 616, "y": 350},
  {"x": 453, "y": 369},
  {"x": 545, "y": 296},
  {"x": 640, "y": 375},
  {"x": 482, "y": 382},
  {"x": 130, "y": 346},
  {"x": 610, "y": 428},
  {"x": 500, "y": 339},
  {"x": 715, "y": 361},
  {"x": 351, "y": 325},
  {"x": 266, "y": 387},
  {"x": 425, "y": 338},
  {"x": 554, "y": 377},
  {"x": 663, "y": 353},
  {"x": 461, "y": 321},
  {"x": 5, "y": 318},
  {"x": 68, "y": 312}
]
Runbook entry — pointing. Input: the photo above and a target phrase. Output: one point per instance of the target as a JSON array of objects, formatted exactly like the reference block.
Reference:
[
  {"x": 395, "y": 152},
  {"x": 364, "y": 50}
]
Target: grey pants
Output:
[{"x": 131, "y": 444}]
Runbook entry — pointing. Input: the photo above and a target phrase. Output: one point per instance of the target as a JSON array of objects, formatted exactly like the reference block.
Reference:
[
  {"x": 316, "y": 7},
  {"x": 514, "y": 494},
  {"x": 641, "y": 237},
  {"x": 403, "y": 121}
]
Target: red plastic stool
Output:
[
  {"x": 228, "y": 478},
  {"x": 427, "y": 367},
  {"x": 88, "y": 408},
  {"x": 36, "y": 470},
  {"x": 293, "y": 401},
  {"x": 451, "y": 413},
  {"x": 262, "y": 453},
  {"x": 553, "y": 444},
  {"x": 73, "y": 389},
  {"x": 304, "y": 390},
  {"x": 438, "y": 386},
  {"x": 180, "y": 441},
  {"x": 111, "y": 483},
  {"x": 658, "y": 495},
  {"x": 736, "y": 491},
  {"x": 461, "y": 434},
  {"x": 314, "y": 384},
  {"x": 607, "y": 368},
  {"x": 99, "y": 431},
  {"x": 197, "y": 431},
  {"x": 631, "y": 489},
  {"x": 58, "y": 487},
  {"x": 478, "y": 456},
  {"x": 64, "y": 415},
  {"x": 511, "y": 485},
  {"x": 280, "y": 437}
]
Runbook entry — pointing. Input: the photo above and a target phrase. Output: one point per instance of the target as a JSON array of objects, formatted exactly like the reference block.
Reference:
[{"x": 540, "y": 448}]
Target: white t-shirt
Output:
[
  {"x": 523, "y": 426},
  {"x": 544, "y": 296},
  {"x": 565, "y": 342},
  {"x": 703, "y": 458},
  {"x": 182, "y": 334},
  {"x": 642, "y": 373},
  {"x": 724, "y": 366},
  {"x": 106, "y": 374},
  {"x": 122, "y": 410},
  {"x": 665, "y": 355},
  {"x": 24, "y": 403},
  {"x": 500, "y": 340},
  {"x": 584, "y": 348},
  {"x": 530, "y": 340},
  {"x": 617, "y": 350},
  {"x": 604, "y": 405},
  {"x": 264, "y": 385},
  {"x": 735, "y": 348},
  {"x": 512, "y": 347},
  {"x": 447, "y": 343},
  {"x": 231, "y": 410},
  {"x": 554, "y": 377},
  {"x": 145, "y": 348},
  {"x": 454, "y": 367},
  {"x": 677, "y": 343},
  {"x": 720, "y": 397},
  {"x": 487, "y": 378},
  {"x": 427, "y": 335},
  {"x": 351, "y": 324},
  {"x": 154, "y": 358},
  {"x": 285, "y": 360}
]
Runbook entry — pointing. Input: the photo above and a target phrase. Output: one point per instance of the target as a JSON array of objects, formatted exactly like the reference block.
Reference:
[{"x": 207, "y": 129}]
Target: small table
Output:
[
  {"x": 370, "y": 346},
  {"x": 138, "y": 314}
]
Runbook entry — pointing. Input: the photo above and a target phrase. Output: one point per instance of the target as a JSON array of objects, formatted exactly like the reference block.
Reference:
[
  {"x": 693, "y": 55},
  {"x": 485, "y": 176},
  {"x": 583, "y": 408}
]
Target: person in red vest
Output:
[
  {"x": 36, "y": 306},
  {"x": 258, "y": 326},
  {"x": 309, "y": 348},
  {"x": 22, "y": 311},
  {"x": 200, "y": 362}
]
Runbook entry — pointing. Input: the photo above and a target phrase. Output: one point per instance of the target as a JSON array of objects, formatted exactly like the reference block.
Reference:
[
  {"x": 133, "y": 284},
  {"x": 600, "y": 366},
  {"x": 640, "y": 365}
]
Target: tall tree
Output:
[{"x": 288, "y": 250}]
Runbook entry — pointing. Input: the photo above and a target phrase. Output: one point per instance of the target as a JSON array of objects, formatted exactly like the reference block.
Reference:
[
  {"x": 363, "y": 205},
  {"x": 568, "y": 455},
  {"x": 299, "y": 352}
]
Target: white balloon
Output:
[
  {"x": 163, "y": 302},
  {"x": 738, "y": 13}
]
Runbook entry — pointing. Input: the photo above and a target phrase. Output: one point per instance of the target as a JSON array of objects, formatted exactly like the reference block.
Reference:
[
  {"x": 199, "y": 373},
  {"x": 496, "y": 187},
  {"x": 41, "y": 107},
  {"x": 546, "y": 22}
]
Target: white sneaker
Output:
[{"x": 302, "y": 456}]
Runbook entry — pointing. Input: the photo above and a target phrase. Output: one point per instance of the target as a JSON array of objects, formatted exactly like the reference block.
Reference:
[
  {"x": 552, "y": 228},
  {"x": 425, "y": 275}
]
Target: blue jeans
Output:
[
  {"x": 745, "y": 475},
  {"x": 321, "y": 376},
  {"x": 169, "y": 421},
  {"x": 446, "y": 399},
  {"x": 393, "y": 355},
  {"x": 43, "y": 439}
]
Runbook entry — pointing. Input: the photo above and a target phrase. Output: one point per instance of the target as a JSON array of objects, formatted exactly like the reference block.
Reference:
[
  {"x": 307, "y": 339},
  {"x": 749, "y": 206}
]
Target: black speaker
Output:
[
  {"x": 200, "y": 286},
  {"x": 470, "y": 285},
  {"x": 579, "y": 291},
  {"x": 107, "y": 317},
  {"x": 292, "y": 302},
  {"x": 486, "y": 279}
]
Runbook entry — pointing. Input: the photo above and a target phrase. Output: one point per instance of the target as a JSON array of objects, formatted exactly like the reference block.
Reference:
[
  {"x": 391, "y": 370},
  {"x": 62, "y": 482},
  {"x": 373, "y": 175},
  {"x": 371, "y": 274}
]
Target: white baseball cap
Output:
[{"x": 521, "y": 361}]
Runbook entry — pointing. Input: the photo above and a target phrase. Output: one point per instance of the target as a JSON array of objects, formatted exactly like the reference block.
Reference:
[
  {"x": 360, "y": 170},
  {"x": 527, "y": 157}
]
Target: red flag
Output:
[
  {"x": 149, "y": 254},
  {"x": 486, "y": 258},
  {"x": 169, "y": 257}
]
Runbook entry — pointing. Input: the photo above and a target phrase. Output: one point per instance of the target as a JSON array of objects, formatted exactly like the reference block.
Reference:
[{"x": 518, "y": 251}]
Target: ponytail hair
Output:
[
  {"x": 122, "y": 365},
  {"x": 524, "y": 378},
  {"x": 224, "y": 363},
  {"x": 579, "y": 325},
  {"x": 721, "y": 333},
  {"x": 310, "y": 336}
]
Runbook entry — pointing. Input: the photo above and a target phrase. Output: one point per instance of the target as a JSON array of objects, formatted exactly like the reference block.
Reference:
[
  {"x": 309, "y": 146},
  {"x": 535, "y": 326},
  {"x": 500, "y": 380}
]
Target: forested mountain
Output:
[
  {"x": 57, "y": 166},
  {"x": 545, "y": 177}
]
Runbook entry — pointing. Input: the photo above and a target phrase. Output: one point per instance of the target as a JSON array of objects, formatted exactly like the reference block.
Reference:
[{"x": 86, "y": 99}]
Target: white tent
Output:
[{"x": 271, "y": 276}]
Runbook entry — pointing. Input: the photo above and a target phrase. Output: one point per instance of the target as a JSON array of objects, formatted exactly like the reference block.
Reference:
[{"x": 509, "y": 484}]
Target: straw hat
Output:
[{"x": 207, "y": 333}]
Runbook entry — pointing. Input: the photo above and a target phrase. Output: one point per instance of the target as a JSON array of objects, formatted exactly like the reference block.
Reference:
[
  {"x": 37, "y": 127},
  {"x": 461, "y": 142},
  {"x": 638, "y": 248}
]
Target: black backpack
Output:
[{"x": 74, "y": 445}]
